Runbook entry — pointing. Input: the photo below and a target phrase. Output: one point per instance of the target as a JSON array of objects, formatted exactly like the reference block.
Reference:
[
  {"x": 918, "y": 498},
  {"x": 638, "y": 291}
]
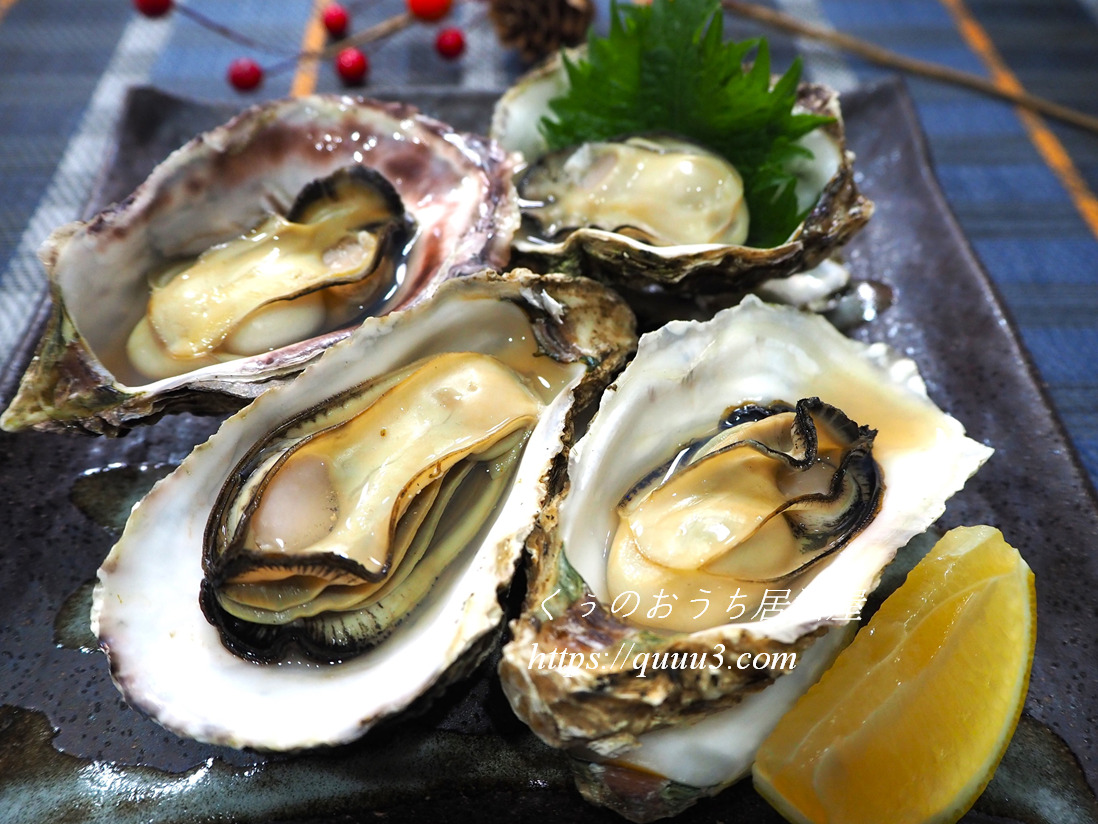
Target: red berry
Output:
[
  {"x": 336, "y": 20},
  {"x": 429, "y": 9},
  {"x": 352, "y": 65},
  {"x": 245, "y": 74},
  {"x": 153, "y": 8},
  {"x": 450, "y": 43}
]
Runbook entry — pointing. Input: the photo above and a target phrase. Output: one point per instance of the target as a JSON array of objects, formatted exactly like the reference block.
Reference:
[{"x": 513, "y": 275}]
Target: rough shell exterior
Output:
[
  {"x": 457, "y": 187},
  {"x": 600, "y": 712}
]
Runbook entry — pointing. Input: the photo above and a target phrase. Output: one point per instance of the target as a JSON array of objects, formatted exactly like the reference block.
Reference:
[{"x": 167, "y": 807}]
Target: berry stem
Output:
[
  {"x": 229, "y": 34},
  {"x": 378, "y": 31}
]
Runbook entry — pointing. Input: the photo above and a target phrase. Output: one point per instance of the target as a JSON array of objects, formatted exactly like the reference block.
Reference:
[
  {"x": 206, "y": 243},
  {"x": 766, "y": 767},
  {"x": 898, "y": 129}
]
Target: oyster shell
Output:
[
  {"x": 456, "y": 190},
  {"x": 168, "y": 659},
  {"x": 682, "y": 383},
  {"x": 663, "y": 281}
]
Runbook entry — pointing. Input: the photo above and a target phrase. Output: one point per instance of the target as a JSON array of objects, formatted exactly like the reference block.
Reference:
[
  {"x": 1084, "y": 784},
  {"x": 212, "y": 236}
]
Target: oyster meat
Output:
[
  {"x": 661, "y": 190},
  {"x": 325, "y": 533},
  {"x": 667, "y": 276},
  {"x": 737, "y": 493},
  {"x": 278, "y": 231},
  {"x": 332, "y": 259},
  {"x": 367, "y": 514},
  {"x": 750, "y": 508}
]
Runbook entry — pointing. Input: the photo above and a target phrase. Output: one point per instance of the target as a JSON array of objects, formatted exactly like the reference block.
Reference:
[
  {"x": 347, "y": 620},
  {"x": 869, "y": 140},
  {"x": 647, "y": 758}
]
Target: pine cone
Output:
[{"x": 538, "y": 28}]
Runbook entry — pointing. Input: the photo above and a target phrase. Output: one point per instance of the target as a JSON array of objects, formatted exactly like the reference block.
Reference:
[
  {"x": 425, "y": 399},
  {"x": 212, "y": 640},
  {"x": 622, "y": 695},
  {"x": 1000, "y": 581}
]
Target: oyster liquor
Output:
[{"x": 567, "y": 662}]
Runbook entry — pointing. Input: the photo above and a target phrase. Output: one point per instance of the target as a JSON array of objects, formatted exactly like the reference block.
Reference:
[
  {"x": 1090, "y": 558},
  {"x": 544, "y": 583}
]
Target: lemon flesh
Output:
[{"x": 914, "y": 716}]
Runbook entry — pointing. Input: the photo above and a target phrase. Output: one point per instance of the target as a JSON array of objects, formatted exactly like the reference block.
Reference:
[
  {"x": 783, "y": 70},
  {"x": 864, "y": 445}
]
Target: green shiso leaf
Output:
[{"x": 666, "y": 68}]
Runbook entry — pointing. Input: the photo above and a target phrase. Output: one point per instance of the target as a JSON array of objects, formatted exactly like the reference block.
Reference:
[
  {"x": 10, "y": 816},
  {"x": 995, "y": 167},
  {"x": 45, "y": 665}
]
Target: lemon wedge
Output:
[{"x": 910, "y": 722}]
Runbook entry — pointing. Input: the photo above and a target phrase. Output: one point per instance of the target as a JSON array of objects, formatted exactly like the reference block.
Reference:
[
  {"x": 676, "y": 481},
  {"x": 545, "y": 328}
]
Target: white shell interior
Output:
[
  {"x": 517, "y": 115},
  {"x": 813, "y": 173},
  {"x": 168, "y": 660},
  {"x": 687, "y": 374}
]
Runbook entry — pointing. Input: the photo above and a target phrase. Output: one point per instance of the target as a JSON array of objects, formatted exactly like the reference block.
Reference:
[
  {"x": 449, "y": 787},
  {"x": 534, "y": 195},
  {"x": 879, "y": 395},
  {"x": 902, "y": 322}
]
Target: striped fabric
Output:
[{"x": 1022, "y": 187}]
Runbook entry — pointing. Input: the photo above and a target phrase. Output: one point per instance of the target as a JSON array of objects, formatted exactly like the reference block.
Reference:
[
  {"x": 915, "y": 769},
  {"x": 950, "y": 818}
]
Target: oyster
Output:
[
  {"x": 661, "y": 190},
  {"x": 752, "y": 507},
  {"x": 122, "y": 347},
  {"x": 365, "y": 513},
  {"x": 670, "y": 276},
  {"x": 331, "y": 258},
  {"x": 815, "y": 498},
  {"x": 336, "y": 524}
]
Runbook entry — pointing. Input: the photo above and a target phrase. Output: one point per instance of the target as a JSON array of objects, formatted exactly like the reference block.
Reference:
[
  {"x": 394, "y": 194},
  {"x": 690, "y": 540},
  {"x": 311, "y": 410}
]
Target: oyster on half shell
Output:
[
  {"x": 121, "y": 347},
  {"x": 660, "y": 278},
  {"x": 709, "y": 425},
  {"x": 369, "y": 512}
]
